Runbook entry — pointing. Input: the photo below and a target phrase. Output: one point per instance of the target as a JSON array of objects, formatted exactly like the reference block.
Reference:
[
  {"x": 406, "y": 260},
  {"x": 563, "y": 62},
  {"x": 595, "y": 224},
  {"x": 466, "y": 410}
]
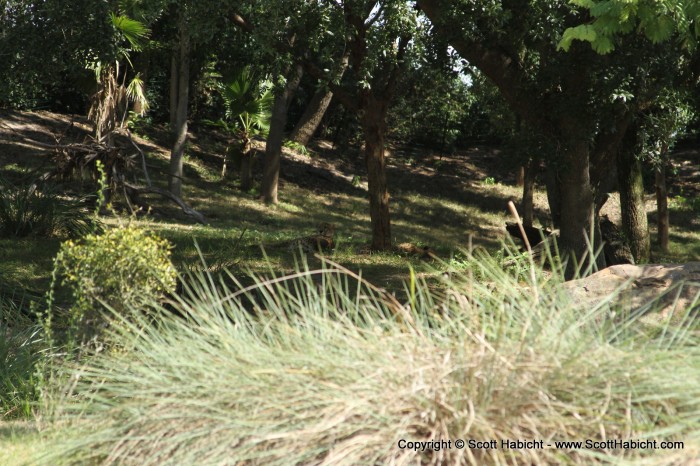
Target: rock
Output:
[{"x": 640, "y": 285}]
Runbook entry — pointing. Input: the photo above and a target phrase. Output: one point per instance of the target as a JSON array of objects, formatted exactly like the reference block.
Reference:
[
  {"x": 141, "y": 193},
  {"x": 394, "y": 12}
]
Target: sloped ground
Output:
[{"x": 439, "y": 200}]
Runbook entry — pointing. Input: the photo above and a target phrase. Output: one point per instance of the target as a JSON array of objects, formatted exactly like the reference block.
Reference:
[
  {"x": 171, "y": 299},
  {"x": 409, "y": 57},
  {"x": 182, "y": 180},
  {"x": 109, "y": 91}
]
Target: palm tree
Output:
[
  {"x": 110, "y": 104},
  {"x": 248, "y": 101}
]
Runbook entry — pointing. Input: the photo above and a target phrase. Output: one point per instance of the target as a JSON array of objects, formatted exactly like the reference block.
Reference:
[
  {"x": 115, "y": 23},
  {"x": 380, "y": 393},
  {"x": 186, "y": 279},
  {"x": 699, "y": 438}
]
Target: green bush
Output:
[
  {"x": 27, "y": 210},
  {"x": 123, "y": 268}
]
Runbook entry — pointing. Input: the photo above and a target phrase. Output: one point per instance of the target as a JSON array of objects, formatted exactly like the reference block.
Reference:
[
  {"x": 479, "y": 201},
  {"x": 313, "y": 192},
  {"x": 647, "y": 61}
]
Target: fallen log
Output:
[{"x": 189, "y": 211}]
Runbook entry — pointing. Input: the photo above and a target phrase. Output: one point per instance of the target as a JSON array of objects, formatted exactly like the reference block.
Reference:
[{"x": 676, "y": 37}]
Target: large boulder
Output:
[{"x": 666, "y": 287}]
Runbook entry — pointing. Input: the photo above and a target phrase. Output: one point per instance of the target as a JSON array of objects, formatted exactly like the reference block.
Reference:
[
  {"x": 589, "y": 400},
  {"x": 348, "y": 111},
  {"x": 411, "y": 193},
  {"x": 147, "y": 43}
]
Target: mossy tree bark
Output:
[{"x": 634, "y": 216}]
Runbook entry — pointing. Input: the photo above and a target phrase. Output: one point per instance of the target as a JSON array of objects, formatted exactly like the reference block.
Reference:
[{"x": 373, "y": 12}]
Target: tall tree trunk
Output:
[
  {"x": 634, "y": 215},
  {"x": 527, "y": 204},
  {"x": 520, "y": 176},
  {"x": 553, "y": 185},
  {"x": 373, "y": 125},
  {"x": 577, "y": 209},
  {"x": 662, "y": 221},
  {"x": 174, "y": 72},
  {"x": 180, "y": 129},
  {"x": 273, "y": 146},
  {"x": 311, "y": 119},
  {"x": 313, "y": 114}
]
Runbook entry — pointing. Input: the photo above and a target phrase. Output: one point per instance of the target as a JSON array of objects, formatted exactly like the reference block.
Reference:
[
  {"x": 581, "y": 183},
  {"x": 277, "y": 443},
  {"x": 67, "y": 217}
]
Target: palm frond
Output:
[
  {"x": 135, "y": 91},
  {"x": 135, "y": 32},
  {"x": 248, "y": 100}
]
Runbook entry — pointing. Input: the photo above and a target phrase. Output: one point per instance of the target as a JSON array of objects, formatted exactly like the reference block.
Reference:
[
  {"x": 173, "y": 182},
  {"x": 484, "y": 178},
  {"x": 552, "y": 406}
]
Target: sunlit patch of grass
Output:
[
  {"x": 20, "y": 443},
  {"x": 28, "y": 260},
  {"x": 205, "y": 172},
  {"x": 684, "y": 238}
]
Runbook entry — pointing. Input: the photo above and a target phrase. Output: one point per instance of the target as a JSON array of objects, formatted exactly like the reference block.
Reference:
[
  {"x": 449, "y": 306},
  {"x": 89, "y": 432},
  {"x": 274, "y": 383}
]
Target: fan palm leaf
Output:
[
  {"x": 135, "y": 32},
  {"x": 248, "y": 100}
]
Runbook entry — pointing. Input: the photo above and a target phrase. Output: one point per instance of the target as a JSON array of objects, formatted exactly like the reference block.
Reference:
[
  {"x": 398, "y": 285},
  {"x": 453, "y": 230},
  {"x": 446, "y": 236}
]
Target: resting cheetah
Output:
[{"x": 322, "y": 240}]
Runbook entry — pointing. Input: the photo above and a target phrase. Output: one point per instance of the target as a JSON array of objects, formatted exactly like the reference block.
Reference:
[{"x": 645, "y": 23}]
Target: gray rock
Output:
[{"x": 666, "y": 287}]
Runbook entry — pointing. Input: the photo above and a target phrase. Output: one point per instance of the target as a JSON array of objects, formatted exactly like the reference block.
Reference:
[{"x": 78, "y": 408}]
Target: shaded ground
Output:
[{"x": 437, "y": 200}]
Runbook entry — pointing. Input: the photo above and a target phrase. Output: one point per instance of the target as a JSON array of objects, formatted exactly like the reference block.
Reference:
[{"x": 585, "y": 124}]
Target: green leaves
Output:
[
  {"x": 135, "y": 32},
  {"x": 586, "y": 32},
  {"x": 583, "y": 32},
  {"x": 657, "y": 20},
  {"x": 249, "y": 100}
]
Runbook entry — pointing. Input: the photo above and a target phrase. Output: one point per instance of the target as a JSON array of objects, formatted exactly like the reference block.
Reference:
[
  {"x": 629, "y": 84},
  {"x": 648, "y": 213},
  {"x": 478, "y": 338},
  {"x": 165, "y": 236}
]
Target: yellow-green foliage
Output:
[{"x": 123, "y": 267}]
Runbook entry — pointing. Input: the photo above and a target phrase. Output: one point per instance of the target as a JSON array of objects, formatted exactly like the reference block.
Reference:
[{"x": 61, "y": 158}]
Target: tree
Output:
[
  {"x": 657, "y": 22},
  {"x": 631, "y": 186},
  {"x": 577, "y": 98},
  {"x": 110, "y": 104},
  {"x": 183, "y": 92},
  {"x": 377, "y": 35},
  {"x": 45, "y": 47},
  {"x": 248, "y": 102},
  {"x": 291, "y": 24},
  {"x": 310, "y": 120},
  {"x": 196, "y": 27},
  {"x": 659, "y": 128}
]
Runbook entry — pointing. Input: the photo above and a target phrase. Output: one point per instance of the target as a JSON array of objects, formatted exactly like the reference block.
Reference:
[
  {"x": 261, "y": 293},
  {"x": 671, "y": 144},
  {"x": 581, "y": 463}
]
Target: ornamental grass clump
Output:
[
  {"x": 321, "y": 367},
  {"x": 29, "y": 210}
]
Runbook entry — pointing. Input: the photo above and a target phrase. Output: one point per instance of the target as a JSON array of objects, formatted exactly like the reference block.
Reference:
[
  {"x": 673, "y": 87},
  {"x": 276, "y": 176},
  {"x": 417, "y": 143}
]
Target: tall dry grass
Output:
[{"x": 323, "y": 368}]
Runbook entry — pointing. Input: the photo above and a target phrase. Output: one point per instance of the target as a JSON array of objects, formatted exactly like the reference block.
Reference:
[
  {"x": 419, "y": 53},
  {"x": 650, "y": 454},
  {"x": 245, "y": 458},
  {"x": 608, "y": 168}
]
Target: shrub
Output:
[
  {"x": 27, "y": 210},
  {"x": 319, "y": 368},
  {"x": 123, "y": 268}
]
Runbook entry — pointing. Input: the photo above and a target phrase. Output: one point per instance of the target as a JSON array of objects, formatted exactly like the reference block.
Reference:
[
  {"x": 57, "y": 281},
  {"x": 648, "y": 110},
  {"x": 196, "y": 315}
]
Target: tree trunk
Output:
[
  {"x": 311, "y": 119},
  {"x": 374, "y": 129},
  {"x": 527, "y": 205},
  {"x": 174, "y": 71},
  {"x": 662, "y": 207},
  {"x": 553, "y": 185},
  {"x": 246, "y": 165},
  {"x": 273, "y": 146},
  {"x": 634, "y": 215},
  {"x": 313, "y": 114},
  {"x": 520, "y": 176},
  {"x": 577, "y": 210},
  {"x": 180, "y": 129}
]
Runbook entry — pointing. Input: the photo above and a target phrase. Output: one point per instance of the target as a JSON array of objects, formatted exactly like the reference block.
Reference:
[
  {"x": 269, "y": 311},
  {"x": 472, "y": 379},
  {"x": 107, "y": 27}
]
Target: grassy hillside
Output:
[{"x": 335, "y": 366}]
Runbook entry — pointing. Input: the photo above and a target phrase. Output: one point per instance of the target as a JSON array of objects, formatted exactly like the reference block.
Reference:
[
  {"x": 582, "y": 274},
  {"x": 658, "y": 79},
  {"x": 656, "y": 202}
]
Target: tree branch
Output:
[
  {"x": 165, "y": 193},
  {"x": 492, "y": 62},
  {"x": 345, "y": 97}
]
